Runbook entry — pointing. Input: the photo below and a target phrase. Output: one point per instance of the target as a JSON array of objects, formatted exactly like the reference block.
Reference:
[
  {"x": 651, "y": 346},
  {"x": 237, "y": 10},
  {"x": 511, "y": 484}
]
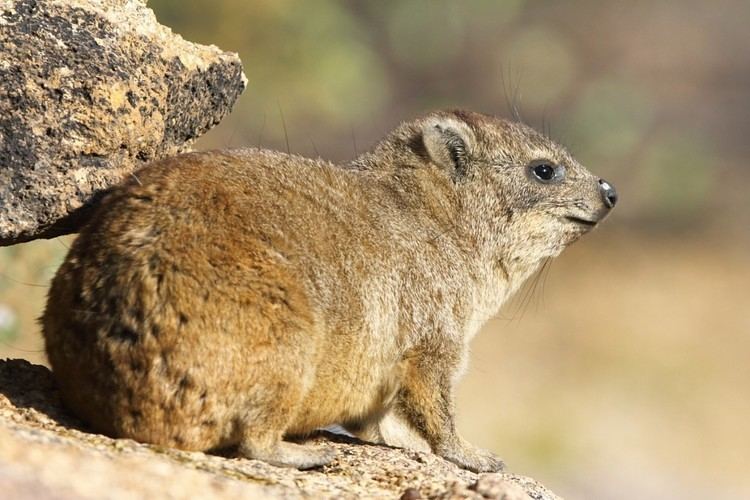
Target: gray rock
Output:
[
  {"x": 89, "y": 91},
  {"x": 47, "y": 453}
]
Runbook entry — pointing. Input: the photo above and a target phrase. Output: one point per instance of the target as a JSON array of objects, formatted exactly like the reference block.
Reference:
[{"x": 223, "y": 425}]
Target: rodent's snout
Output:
[{"x": 609, "y": 195}]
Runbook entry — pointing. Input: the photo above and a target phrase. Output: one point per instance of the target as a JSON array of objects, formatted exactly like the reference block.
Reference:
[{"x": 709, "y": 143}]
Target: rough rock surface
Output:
[
  {"x": 47, "y": 454},
  {"x": 89, "y": 91}
]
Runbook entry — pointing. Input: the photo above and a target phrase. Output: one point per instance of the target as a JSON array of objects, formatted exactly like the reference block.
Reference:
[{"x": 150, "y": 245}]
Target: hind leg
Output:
[
  {"x": 277, "y": 364},
  {"x": 263, "y": 431},
  {"x": 273, "y": 406},
  {"x": 270, "y": 448}
]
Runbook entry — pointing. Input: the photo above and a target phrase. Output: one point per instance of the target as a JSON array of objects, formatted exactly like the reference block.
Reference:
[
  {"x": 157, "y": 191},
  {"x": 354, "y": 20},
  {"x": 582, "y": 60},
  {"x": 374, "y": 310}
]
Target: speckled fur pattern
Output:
[{"x": 243, "y": 297}]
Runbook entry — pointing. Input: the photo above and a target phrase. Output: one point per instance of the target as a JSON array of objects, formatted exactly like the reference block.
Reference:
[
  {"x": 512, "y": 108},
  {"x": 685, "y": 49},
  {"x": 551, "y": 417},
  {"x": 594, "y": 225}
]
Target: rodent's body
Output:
[{"x": 238, "y": 297}]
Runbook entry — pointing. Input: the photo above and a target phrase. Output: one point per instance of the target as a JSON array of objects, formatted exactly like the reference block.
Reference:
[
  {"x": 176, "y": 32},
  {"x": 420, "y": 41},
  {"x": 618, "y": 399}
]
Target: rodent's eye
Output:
[{"x": 545, "y": 171}]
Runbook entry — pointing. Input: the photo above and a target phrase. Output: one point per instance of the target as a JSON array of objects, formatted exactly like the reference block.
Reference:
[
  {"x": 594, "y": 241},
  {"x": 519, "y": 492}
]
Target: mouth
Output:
[{"x": 583, "y": 222}]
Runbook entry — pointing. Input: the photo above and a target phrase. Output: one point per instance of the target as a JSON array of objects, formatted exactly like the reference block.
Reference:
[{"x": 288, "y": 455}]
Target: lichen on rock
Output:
[
  {"x": 89, "y": 91},
  {"x": 47, "y": 453}
]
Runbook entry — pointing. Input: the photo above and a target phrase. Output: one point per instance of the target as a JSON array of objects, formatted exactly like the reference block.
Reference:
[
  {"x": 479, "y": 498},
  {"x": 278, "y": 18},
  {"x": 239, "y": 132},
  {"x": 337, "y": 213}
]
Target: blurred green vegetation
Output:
[
  {"x": 645, "y": 94},
  {"x": 631, "y": 378}
]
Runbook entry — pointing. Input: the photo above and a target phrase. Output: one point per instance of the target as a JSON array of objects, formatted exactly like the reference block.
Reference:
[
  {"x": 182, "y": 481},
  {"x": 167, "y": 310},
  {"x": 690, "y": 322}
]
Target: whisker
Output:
[
  {"x": 315, "y": 149},
  {"x": 20, "y": 282},
  {"x": 260, "y": 131},
  {"x": 547, "y": 272},
  {"x": 15, "y": 348},
  {"x": 283, "y": 124},
  {"x": 509, "y": 94},
  {"x": 535, "y": 284},
  {"x": 354, "y": 141}
]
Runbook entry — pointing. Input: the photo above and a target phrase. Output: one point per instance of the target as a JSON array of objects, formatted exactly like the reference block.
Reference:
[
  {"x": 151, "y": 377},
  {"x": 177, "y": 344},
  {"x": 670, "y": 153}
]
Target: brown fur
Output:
[{"x": 238, "y": 297}]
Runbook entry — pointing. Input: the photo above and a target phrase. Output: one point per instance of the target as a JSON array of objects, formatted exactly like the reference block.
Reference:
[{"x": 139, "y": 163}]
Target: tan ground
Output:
[{"x": 46, "y": 454}]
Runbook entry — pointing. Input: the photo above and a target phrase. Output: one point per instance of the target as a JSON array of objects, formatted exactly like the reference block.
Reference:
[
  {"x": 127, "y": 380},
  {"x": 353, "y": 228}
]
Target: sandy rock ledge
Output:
[
  {"x": 45, "y": 453},
  {"x": 90, "y": 90}
]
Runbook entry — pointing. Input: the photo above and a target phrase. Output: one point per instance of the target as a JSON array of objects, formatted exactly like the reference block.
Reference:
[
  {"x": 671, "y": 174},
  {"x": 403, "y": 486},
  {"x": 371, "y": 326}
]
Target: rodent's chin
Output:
[
  {"x": 578, "y": 226},
  {"x": 581, "y": 221}
]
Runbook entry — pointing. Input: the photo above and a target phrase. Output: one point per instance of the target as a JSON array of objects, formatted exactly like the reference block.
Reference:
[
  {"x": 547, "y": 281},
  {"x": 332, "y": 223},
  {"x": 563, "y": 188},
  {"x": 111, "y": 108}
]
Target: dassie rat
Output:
[{"x": 239, "y": 297}]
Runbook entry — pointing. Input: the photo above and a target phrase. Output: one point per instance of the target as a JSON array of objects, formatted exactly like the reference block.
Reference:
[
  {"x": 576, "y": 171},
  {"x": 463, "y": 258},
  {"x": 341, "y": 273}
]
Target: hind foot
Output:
[
  {"x": 469, "y": 457},
  {"x": 284, "y": 454}
]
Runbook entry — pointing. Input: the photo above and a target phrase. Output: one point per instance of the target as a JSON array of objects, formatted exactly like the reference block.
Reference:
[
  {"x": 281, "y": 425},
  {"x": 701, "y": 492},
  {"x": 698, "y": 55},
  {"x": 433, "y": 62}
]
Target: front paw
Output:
[{"x": 472, "y": 458}]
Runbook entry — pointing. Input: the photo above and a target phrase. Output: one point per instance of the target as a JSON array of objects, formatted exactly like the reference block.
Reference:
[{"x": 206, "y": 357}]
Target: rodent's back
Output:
[
  {"x": 187, "y": 256},
  {"x": 145, "y": 319}
]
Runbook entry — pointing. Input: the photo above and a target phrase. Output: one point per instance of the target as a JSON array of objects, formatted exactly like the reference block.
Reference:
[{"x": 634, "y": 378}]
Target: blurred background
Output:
[{"x": 623, "y": 371}]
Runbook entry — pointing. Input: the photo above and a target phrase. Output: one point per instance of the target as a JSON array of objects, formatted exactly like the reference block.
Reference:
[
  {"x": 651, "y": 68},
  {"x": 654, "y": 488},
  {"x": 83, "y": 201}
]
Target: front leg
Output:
[{"x": 425, "y": 401}]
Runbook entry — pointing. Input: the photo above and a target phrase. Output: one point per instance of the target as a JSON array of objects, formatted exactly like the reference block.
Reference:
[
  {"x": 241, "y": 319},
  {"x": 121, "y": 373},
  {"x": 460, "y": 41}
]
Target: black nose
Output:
[{"x": 609, "y": 195}]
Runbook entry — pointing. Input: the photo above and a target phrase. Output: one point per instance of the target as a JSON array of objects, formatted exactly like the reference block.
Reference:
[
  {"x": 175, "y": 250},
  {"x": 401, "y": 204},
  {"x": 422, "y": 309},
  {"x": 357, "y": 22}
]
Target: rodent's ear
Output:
[{"x": 449, "y": 143}]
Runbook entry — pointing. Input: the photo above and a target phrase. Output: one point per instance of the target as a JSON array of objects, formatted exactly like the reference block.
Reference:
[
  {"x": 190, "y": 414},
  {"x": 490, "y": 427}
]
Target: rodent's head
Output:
[{"x": 527, "y": 192}]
